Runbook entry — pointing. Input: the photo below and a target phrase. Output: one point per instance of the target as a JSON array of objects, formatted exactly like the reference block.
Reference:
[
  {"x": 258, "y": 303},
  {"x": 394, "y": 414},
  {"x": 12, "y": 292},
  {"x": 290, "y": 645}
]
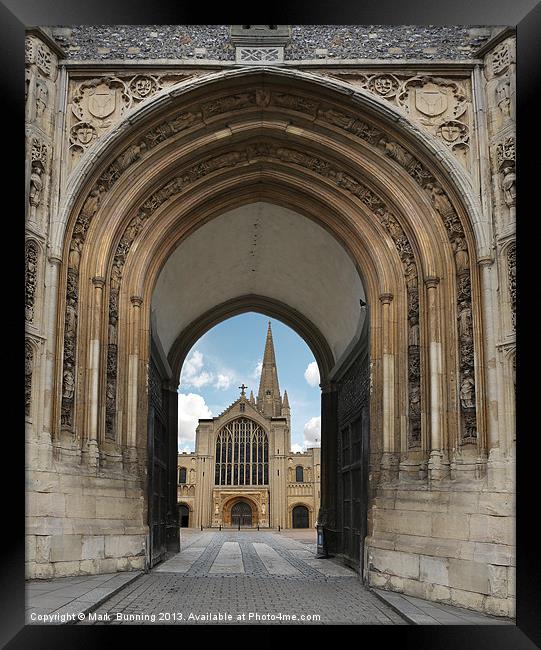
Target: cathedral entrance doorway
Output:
[
  {"x": 241, "y": 514},
  {"x": 301, "y": 517}
]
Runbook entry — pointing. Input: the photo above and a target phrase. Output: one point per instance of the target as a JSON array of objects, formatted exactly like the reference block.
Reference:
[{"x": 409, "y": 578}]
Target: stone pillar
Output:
[
  {"x": 51, "y": 302},
  {"x": 436, "y": 468},
  {"x": 133, "y": 367},
  {"x": 388, "y": 465},
  {"x": 171, "y": 403},
  {"x": 91, "y": 452}
]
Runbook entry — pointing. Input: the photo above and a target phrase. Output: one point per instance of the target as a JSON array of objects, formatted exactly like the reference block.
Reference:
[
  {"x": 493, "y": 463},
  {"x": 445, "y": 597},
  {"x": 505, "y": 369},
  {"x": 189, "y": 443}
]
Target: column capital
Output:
[
  {"x": 136, "y": 301},
  {"x": 486, "y": 261},
  {"x": 432, "y": 282},
  {"x": 53, "y": 259},
  {"x": 386, "y": 298},
  {"x": 98, "y": 281},
  {"x": 328, "y": 386}
]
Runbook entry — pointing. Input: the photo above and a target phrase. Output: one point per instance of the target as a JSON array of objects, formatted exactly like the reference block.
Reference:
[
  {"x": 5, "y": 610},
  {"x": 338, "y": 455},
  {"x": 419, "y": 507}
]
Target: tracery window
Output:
[
  {"x": 299, "y": 474},
  {"x": 242, "y": 454},
  {"x": 182, "y": 475}
]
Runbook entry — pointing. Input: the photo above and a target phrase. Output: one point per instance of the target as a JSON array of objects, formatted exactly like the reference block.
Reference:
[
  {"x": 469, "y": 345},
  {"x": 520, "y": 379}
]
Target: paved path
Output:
[{"x": 246, "y": 577}]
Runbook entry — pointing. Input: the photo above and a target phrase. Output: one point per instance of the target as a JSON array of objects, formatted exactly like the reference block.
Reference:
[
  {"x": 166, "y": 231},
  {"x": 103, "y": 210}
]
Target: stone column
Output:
[
  {"x": 92, "y": 404},
  {"x": 436, "y": 468},
  {"x": 51, "y": 305},
  {"x": 388, "y": 465},
  {"x": 133, "y": 367}
]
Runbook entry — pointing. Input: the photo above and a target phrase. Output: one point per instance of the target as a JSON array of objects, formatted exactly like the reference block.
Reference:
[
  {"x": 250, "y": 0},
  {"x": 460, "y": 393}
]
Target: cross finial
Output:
[{"x": 243, "y": 389}]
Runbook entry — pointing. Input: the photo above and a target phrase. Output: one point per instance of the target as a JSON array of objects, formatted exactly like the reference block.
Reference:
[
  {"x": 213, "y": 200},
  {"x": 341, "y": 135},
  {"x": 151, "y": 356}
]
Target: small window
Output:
[
  {"x": 182, "y": 475},
  {"x": 299, "y": 474},
  {"x": 267, "y": 392}
]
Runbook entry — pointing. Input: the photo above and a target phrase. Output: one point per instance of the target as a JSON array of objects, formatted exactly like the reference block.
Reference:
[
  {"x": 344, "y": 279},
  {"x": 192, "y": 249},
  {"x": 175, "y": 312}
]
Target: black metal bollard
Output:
[
  {"x": 278, "y": 527},
  {"x": 257, "y": 526},
  {"x": 201, "y": 526},
  {"x": 239, "y": 526},
  {"x": 220, "y": 526}
]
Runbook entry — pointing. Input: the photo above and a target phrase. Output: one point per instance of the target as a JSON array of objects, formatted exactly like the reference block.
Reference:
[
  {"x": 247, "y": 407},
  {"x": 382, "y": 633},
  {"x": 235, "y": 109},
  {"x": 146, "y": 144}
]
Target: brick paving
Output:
[{"x": 296, "y": 592}]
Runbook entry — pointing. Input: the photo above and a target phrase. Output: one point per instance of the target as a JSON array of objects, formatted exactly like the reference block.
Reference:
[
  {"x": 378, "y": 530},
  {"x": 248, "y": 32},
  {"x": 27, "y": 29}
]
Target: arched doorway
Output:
[
  {"x": 301, "y": 517},
  {"x": 183, "y": 516},
  {"x": 338, "y": 162},
  {"x": 241, "y": 515}
]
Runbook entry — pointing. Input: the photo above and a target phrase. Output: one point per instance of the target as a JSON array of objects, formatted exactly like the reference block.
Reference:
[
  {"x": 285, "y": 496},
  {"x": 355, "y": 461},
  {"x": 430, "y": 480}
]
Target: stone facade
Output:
[
  {"x": 406, "y": 158},
  {"x": 210, "y": 499}
]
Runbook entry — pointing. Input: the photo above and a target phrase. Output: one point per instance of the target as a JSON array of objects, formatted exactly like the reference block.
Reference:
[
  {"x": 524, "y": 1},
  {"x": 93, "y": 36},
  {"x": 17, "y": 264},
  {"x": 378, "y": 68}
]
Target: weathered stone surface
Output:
[
  {"x": 435, "y": 570},
  {"x": 64, "y": 569},
  {"x": 469, "y": 576},
  {"x": 43, "y": 548},
  {"x": 65, "y": 547},
  {"x": 394, "y": 562},
  {"x": 450, "y": 526},
  {"x": 497, "y": 581},
  {"x": 494, "y": 553},
  {"x": 497, "y": 503},
  {"x": 123, "y": 545},
  {"x": 467, "y": 599},
  {"x": 93, "y": 547},
  {"x": 496, "y": 530},
  {"x": 80, "y": 506}
]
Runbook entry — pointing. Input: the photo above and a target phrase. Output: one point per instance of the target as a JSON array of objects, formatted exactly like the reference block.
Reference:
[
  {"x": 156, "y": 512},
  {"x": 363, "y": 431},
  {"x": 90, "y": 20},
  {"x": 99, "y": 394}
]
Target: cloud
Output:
[
  {"x": 312, "y": 432},
  {"x": 296, "y": 447},
  {"x": 223, "y": 381},
  {"x": 256, "y": 373},
  {"x": 196, "y": 374},
  {"x": 191, "y": 407},
  {"x": 311, "y": 374}
]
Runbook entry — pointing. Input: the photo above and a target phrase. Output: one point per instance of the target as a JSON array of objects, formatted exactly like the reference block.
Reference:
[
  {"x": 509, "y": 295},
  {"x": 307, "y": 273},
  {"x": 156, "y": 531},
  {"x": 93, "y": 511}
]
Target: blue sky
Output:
[{"x": 230, "y": 354}]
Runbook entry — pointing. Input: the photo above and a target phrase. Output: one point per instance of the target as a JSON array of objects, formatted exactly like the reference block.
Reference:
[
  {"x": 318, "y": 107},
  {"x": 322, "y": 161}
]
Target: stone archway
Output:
[
  {"x": 411, "y": 374},
  {"x": 240, "y": 511}
]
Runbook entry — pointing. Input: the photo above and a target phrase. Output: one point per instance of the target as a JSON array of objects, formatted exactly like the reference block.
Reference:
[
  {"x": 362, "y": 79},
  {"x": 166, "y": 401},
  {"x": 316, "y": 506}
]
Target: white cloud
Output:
[
  {"x": 296, "y": 447},
  {"x": 191, "y": 407},
  {"x": 223, "y": 381},
  {"x": 256, "y": 374},
  {"x": 311, "y": 374},
  {"x": 312, "y": 432}
]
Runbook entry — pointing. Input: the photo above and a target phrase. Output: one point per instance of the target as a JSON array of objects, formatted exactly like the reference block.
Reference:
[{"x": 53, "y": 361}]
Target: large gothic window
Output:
[
  {"x": 299, "y": 474},
  {"x": 242, "y": 454},
  {"x": 182, "y": 475}
]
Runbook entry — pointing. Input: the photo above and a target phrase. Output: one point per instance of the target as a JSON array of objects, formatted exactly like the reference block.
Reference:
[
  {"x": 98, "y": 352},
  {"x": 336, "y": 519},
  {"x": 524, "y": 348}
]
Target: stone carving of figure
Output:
[
  {"x": 41, "y": 98},
  {"x": 461, "y": 254},
  {"x": 130, "y": 155},
  {"x": 413, "y": 332},
  {"x": 509, "y": 189},
  {"x": 91, "y": 204},
  {"x": 467, "y": 393},
  {"x": 290, "y": 474},
  {"x": 439, "y": 200},
  {"x": 411, "y": 274},
  {"x": 308, "y": 474},
  {"x": 112, "y": 329},
  {"x": 465, "y": 321},
  {"x": 71, "y": 317},
  {"x": 116, "y": 275},
  {"x": 75, "y": 253},
  {"x": 396, "y": 152},
  {"x": 503, "y": 97},
  {"x": 69, "y": 385},
  {"x": 216, "y": 508},
  {"x": 36, "y": 185},
  {"x": 262, "y": 508}
]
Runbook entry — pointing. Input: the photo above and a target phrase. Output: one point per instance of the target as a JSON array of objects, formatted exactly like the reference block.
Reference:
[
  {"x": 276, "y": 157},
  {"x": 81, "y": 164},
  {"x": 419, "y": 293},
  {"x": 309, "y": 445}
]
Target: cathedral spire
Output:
[{"x": 268, "y": 397}]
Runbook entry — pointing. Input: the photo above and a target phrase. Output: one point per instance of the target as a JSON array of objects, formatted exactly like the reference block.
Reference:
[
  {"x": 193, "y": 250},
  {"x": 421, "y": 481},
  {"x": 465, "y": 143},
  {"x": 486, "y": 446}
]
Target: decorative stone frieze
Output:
[
  {"x": 439, "y": 105},
  {"x": 28, "y": 370},
  {"x": 32, "y": 255},
  {"x": 97, "y": 104},
  {"x": 511, "y": 279}
]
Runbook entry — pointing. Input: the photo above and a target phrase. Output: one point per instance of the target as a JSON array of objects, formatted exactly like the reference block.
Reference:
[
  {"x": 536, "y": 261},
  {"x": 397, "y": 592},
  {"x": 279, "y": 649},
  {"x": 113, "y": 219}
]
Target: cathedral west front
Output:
[{"x": 242, "y": 472}]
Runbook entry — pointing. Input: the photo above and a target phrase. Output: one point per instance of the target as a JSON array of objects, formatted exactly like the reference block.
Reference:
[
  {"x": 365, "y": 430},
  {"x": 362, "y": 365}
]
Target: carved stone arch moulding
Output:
[
  {"x": 253, "y": 154},
  {"x": 350, "y": 122}
]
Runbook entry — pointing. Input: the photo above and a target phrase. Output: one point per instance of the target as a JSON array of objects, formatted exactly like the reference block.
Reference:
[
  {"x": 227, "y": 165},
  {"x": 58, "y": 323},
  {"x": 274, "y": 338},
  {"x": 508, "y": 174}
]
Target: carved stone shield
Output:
[
  {"x": 431, "y": 101},
  {"x": 102, "y": 102}
]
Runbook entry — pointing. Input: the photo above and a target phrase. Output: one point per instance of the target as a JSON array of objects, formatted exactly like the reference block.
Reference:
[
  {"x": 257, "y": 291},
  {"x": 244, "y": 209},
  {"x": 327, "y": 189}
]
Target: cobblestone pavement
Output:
[{"x": 245, "y": 577}]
